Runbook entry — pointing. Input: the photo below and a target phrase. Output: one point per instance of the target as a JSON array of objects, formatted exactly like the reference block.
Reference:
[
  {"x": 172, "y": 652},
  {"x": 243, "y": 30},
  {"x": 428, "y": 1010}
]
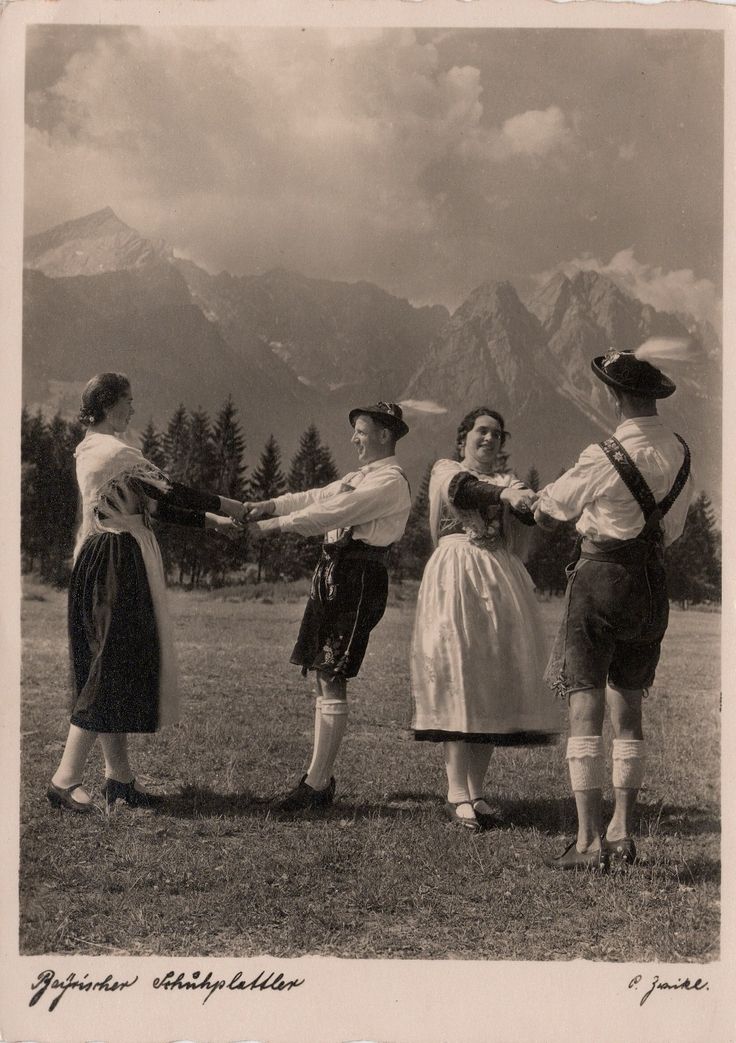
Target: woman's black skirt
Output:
[
  {"x": 347, "y": 600},
  {"x": 113, "y": 639}
]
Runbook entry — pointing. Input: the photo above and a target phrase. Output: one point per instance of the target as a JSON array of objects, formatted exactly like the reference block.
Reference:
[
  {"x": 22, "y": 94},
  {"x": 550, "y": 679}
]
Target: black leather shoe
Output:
[
  {"x": 621, "y": 851},
  {"x": 486, "y": 819},
  {"x": 114, "y": 791},
  {"x": 471, "y": 825},
  {"x": 62, "y": 798},
  {"x": 303, "y": 796},
  {"x": 572, "y": 859}
]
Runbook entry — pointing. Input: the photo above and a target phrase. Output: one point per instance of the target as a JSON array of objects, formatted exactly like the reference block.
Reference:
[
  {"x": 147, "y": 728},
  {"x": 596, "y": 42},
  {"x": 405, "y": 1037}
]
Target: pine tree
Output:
[
  {"x": 268, "y": 479},
  {"x": 31, "y": 505},
  {"x": 228, "y": 448},
  {"x": 176, "y": 449},
  {"x": 53, "y": 486},
  {"x": 266, "y": 483},
  {"x": 152, "y": 445},
  {"x": 176, "y": 444},
  {"x": 228, "y": 479},
  {"x": 201, "y": 466},
  {"x": 33, "y": 433},
  {"x": 199, "y": 473},
  {"x": 34, "y": 446},
  {"x": 694, "y": 560},
  {"x": 311, "y": 468}
]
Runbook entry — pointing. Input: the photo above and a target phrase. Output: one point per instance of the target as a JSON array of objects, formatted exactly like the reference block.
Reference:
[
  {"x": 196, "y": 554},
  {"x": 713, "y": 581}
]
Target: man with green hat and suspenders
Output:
[{"x": 630, "y": 494}]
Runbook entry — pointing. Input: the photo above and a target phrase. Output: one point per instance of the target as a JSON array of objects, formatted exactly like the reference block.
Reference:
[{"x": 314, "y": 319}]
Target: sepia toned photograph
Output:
[{"x": 370, "y": 504}]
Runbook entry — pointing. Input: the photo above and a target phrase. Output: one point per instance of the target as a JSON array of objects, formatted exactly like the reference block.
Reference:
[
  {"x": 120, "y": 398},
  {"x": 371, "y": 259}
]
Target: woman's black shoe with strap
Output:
[
  {"x": 62, "y": 798},
  {"x": 114, "y": 791}
]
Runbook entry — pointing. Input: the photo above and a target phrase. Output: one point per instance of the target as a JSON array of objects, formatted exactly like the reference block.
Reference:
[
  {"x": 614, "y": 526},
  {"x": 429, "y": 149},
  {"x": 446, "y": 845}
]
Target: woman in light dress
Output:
[
  {"x": 123, "y": 669},
  {"x": 478, "y": 653}
]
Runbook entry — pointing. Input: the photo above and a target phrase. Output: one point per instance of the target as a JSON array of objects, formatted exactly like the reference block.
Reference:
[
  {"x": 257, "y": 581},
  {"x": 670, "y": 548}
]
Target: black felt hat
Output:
[
  {"x": 625, "y": 372},
  {"x": 386, "y": 413}
]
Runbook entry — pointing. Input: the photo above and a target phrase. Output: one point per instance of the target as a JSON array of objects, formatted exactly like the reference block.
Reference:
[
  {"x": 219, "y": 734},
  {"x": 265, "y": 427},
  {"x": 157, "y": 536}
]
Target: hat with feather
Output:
[
  {"x": 389, "y": 414},
  {"x": 634, "y": 371}
]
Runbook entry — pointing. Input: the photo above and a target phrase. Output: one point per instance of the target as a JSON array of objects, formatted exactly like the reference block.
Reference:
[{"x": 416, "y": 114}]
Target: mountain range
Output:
[{"x": 293, "y": 350}]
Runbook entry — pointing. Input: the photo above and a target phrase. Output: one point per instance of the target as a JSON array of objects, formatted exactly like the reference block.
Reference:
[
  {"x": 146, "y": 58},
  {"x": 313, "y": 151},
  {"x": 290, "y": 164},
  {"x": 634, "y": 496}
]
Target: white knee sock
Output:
[
  {"x": 331, "y": 721},
  {"x": 456, "y": 766},
  {"x": 585, "y": 761},
  {"x": 629, "y": 757},
  {"x": 479, "y": 757}
]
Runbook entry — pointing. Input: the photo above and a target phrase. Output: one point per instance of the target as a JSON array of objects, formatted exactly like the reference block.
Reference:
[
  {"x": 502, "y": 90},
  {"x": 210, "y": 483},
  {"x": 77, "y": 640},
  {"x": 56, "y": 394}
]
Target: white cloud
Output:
[
  {"x": 422, "y": 405},
  {"x": 673, "y": 291},
  {"x": 397, "y": 156},
  {"x": 347, "y": 121},
  {"x": 535, "y": 133},
  {"x": 538, "y": 132}
]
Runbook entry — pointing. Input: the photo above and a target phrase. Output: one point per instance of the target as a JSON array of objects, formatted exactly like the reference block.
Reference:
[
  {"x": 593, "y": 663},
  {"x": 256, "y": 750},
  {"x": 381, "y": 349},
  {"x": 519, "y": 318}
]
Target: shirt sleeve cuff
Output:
[
  {"x": 550, "y": 508},
  {"x": 273, "y": 524}
]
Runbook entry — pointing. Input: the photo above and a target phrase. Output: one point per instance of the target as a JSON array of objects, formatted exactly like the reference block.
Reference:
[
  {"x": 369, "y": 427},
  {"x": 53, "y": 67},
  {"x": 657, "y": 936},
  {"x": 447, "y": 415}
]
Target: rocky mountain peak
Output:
[
  {"x": 497, "y": 294},
  {"x": 89, "y": 245},
  {"x": 495, "y": 309},
  {"x": 588, "y": 308}
]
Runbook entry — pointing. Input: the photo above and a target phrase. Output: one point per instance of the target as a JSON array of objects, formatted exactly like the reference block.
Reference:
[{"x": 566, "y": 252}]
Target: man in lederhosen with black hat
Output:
[
  {"x": 630, "y": 495},
  {"x": 362, "y": 515}
]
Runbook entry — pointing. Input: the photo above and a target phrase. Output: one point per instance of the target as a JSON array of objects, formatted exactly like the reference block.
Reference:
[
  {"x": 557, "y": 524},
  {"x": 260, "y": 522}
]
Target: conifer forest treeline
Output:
[{"x": 207, "y": 453}]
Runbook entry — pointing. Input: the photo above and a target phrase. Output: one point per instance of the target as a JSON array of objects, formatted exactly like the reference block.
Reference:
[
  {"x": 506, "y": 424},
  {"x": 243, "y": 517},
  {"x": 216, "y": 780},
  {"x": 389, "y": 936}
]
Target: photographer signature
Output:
[{"x": 682, "y": 984}]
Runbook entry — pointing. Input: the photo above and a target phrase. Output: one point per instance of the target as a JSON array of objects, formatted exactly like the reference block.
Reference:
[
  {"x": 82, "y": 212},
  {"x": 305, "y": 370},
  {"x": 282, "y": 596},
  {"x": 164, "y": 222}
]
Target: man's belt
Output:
[
  {"x": 357, "y": 551},
  {"x": 620, "y": 552}
]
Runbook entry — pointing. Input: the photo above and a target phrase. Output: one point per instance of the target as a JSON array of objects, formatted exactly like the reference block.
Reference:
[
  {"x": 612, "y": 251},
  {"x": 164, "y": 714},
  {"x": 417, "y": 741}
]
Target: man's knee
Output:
[
  {"x": 625, "y": 705},
  {"x": 332, "y": 687},
  {"x": 587, "y": 707}
]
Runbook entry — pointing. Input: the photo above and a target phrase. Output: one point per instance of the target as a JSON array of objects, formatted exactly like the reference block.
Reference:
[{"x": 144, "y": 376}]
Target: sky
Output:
[{"x": 425, "y": 161}]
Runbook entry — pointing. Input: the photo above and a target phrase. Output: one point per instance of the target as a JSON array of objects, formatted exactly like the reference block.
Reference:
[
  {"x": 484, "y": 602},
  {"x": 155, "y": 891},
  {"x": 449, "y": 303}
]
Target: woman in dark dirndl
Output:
[
  {"x": 478, "y": 654},
  {"x": 123, "y": 669}
]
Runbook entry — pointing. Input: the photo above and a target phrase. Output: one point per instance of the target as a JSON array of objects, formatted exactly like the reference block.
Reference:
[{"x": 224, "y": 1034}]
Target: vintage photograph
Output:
[{"x": 370, "y": 494}]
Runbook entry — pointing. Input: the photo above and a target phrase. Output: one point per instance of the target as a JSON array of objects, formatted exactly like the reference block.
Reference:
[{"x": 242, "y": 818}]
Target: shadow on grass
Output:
[
  {"x": 553, "y": 816},
  {"x": 545, "y": 814},
  {"x": 678, "y": 819},
  {"x": 693, "y": 871},
  {"x": 201, "y": 802}
]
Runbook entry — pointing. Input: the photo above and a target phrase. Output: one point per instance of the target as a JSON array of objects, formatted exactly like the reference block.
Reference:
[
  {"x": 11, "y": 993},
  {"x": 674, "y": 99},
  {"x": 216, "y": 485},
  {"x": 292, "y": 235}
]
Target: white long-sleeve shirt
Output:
[
  {"x": 593, "y": 491},
  {"x": 373, "y": 501}
]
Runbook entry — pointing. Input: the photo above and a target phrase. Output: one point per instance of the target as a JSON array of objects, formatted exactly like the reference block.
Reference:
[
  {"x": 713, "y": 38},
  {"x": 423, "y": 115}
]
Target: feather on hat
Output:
[{"x": 634, "y": 371}]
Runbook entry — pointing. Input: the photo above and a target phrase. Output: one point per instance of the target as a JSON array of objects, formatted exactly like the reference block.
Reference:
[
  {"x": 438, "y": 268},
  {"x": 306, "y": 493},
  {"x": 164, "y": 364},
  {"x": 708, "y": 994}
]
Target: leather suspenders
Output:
[{"x": 636, "y": 483}]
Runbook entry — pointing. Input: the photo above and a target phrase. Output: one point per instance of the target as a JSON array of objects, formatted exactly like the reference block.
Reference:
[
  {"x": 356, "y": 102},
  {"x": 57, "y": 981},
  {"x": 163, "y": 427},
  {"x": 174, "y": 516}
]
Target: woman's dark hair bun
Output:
[{"x": 101, "y": 394}]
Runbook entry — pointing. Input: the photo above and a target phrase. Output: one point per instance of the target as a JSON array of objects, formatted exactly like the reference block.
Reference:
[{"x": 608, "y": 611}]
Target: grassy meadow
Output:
[{"x": 381, "y": 874}]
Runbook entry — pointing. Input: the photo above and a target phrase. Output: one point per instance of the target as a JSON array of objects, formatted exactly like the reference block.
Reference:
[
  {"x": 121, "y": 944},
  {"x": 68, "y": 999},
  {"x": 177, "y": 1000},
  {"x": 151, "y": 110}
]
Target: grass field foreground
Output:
[{"x": 381, "y": 874}]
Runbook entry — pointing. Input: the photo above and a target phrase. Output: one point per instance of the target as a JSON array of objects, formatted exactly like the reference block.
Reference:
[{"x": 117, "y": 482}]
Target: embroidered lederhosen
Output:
[{"x": 347, "y": 599}]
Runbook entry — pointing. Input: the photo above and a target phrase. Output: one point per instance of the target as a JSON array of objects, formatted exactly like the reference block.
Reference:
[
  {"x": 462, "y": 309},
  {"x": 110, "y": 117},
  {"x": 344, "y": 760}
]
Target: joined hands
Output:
[
  {"x": 254, "y": 510},
  {"x": 526, "y": 502},
  {"x": 520, "y": 499}
]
